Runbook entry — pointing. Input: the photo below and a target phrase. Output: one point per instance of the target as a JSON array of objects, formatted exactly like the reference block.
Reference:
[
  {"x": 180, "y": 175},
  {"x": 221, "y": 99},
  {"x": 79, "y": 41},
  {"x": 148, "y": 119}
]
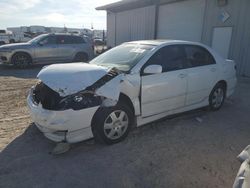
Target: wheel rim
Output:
[
  {"x": 218, "y": 97},
  {"x": 116, "y": 124},
  {"x": 21, "y": 60}
]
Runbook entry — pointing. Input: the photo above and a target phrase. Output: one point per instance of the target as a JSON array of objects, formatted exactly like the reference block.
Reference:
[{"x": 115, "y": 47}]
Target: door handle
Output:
[
  {"x": 182, "y": 75},
  {"x": 213, "y": 69}
]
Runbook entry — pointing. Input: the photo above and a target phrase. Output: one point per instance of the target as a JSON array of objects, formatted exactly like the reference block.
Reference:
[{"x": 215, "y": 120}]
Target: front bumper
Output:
[
  {"x": 5, "y": 57},
  {"x": 69, "y": 125}
]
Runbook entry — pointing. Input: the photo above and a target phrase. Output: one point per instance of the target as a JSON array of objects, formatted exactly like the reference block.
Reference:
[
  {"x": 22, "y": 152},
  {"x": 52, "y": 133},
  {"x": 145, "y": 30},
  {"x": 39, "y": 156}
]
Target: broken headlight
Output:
[{"x": 79, "y": 101}]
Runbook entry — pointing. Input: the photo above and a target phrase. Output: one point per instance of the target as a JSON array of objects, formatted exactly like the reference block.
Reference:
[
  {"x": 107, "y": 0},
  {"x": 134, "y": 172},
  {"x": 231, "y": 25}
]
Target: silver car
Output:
[{"x": 48, "y": 48}]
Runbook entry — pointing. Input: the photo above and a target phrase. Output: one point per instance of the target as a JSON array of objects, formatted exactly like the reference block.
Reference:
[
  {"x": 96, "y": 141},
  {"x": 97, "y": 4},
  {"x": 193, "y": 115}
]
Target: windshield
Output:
[
  {"x": 37, "y": 39},
  {"x": 123, "y": 57}
]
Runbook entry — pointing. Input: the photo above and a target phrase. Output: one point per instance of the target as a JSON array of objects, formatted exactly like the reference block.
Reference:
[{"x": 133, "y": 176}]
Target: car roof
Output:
[
  {"x": 63, "y": 34},
  {"x": 160, "y": 42}
]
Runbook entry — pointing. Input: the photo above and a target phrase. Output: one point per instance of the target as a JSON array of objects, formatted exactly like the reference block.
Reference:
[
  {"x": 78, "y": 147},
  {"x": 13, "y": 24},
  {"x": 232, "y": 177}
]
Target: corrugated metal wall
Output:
[
  {"x": 239, "y": 20},
  {"x": 136, "y": 24},
  {"x": 111, "y": 29}
]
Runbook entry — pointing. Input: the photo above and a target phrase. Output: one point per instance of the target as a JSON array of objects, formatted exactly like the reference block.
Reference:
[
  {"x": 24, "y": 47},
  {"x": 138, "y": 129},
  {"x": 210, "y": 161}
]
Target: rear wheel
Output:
[
  {"x": 111, "y": 125},
  {"x": 81, "y": 57},
  {"x": 21, "y": 60},
  {"x": 217, "y": 97}
]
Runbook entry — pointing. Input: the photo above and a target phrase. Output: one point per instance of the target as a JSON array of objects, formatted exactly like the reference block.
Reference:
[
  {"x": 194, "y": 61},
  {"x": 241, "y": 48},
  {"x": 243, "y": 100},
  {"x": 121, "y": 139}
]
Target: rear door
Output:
[
  {"x": 167, "y": 90},
  {"x": 202, "y": 73},
  {"x": 66, "y": 47}
]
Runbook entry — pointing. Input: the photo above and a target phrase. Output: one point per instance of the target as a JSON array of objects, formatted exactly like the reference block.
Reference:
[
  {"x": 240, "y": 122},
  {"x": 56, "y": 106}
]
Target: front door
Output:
[
  {"x": 46, "y": 50},
  {"x": 167, "y": 90}
]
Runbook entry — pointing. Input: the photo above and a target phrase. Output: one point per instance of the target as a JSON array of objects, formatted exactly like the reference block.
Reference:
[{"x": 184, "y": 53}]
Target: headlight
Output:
[{"x": 79, "y": 101}]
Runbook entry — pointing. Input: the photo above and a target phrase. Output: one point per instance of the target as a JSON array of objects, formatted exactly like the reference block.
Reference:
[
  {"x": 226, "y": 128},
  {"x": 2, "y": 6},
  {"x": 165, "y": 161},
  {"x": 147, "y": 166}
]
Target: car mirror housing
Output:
[{"x": 153, "y": 69}]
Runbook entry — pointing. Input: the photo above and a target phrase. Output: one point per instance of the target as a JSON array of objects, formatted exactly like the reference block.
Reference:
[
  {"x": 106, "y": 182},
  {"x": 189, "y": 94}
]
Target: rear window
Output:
[
  {"x": 198, "y": 56},
  {"x": 65, "y": 39}
]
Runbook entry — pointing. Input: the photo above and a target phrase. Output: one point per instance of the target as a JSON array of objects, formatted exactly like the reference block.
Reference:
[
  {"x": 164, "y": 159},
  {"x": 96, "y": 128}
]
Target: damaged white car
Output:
[{"x": 132, "y": 84}]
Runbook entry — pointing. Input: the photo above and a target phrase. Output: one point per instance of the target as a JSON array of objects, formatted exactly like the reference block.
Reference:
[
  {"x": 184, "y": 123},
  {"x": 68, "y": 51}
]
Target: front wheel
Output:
[
  {"x": 21, "y": 60},
  {"x": 217, "y": 97},
  {"x": 111, "y": 125}
]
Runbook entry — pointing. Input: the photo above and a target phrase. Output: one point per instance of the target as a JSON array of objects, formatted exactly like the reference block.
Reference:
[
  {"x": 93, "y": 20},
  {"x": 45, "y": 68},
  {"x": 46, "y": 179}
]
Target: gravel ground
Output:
[{"x": 194, "y": 149}]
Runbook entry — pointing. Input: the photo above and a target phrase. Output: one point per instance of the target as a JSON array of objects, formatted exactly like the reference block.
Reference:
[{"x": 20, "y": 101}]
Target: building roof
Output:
[
  {"x": 123, "y": 5},
  {"x": 126, "y": 5}
]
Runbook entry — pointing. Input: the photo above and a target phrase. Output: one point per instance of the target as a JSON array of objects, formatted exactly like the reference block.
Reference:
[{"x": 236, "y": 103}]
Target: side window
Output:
[
  {"x": 68, "y": 40},
  {"x": 171, "y": 58},
  {"x": 78, "y": 40},
  {"x": 198, "y": 56},
  {"x": 48, "y": 40},
  {"x": 64, "y": 39},
  {"x": 60, "y": 39}
]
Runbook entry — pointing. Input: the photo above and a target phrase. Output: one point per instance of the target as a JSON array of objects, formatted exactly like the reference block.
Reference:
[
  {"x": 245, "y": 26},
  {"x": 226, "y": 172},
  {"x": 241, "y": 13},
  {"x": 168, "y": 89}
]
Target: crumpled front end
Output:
[
  {"x": 68, "y": 117},
  {"x": 62, "y": 125}
]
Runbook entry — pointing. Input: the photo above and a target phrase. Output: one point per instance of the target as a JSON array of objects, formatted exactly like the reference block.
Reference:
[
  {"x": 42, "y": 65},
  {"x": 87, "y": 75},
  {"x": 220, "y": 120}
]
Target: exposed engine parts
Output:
[{"x": 51, "y": 100}]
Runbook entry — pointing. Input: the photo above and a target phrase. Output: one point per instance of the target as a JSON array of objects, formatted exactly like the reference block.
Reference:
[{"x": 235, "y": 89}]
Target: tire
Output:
[
  {"x": 21, "y": 60},
  {"x": 217, "y": 97},
  {"x": 81, "y": 57},
  {"x": 112, "y": 125}
]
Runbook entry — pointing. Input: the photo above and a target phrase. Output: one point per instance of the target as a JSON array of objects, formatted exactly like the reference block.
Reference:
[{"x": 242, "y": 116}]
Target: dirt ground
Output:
[{"x": 194, "y": 149}]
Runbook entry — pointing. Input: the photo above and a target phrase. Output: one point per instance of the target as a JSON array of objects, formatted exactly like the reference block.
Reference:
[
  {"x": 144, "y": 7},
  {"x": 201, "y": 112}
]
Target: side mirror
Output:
[{"x": 153, "y": 69}]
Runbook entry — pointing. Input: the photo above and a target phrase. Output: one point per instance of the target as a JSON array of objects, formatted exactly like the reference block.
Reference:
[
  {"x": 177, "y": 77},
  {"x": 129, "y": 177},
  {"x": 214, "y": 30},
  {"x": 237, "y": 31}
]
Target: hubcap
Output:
[
  {"x": 218, "y": 97},
  {"x": 116, "y": 124}
]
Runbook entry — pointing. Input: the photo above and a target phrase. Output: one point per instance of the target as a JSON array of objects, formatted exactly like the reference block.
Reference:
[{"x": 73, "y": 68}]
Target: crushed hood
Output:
[{"x": 67, "y": 79}]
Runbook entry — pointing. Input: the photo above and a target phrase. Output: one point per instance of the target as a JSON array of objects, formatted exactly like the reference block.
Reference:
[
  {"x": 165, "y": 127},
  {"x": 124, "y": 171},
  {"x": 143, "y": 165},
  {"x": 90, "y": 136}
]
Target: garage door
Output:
[
  {"x": 136, "y": 24},
  {"x": 182, "y": 20}
]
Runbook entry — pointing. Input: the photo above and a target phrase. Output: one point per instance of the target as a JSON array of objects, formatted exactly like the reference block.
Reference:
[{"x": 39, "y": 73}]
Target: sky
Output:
[{"x": 57, "y": 13}]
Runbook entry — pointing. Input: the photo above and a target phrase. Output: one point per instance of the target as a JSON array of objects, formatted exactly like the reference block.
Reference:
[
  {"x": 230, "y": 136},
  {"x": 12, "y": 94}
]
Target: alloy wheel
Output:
[{"x": 116, "y": 124}]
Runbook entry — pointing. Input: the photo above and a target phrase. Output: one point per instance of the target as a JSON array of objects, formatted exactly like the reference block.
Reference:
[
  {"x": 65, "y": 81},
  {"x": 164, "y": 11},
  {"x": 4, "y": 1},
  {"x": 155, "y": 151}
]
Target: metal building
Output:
[{"x": 221, "y": 24}]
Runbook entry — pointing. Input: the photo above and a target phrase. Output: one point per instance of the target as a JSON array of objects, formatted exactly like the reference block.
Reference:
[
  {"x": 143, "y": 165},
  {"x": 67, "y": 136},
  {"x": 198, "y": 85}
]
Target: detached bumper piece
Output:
[{"x": 242, "y": 179}]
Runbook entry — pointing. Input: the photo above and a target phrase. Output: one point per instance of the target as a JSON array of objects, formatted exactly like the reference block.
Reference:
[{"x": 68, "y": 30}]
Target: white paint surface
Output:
[{"x": 67, "y": 79}]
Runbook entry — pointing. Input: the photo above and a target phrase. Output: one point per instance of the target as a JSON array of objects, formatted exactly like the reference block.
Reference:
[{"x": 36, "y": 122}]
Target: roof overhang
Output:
[
  {"x": 126, "y": 5},
  {"x": 123, "y": 5}
]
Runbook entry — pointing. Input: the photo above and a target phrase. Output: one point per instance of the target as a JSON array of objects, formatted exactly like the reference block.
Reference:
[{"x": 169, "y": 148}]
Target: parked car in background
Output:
[
  {"x": 48, "y": 48},
  {"x": 136, "y": 82},
  {"x": 6, "y": 37}
]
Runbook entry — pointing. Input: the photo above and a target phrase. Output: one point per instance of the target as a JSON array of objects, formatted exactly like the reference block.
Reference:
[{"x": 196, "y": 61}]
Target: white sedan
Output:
[{"x": 132, "y": 84}]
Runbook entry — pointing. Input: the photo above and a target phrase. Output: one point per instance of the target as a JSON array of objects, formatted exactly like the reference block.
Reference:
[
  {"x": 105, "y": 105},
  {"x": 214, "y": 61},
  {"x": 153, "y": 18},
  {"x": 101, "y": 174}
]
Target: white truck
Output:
[{"x": 6, "y": 37}]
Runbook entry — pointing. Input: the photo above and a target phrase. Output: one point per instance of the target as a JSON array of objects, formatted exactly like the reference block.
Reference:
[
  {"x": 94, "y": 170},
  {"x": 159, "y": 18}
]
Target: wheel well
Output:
[
  {"x": 84, "y": 53},
  {"x": 223, "y": 82},
  {"x": 122, "y": 98},
  {"x": 26, "y": 53},
  {"x": 127, "y": 101}
]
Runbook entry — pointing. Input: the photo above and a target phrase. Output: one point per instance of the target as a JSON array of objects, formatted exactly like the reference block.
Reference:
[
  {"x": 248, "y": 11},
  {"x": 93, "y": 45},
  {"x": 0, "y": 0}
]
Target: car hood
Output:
[
  {"x": 15, "y": 46},
  {"x": 67, "y": 79}
]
